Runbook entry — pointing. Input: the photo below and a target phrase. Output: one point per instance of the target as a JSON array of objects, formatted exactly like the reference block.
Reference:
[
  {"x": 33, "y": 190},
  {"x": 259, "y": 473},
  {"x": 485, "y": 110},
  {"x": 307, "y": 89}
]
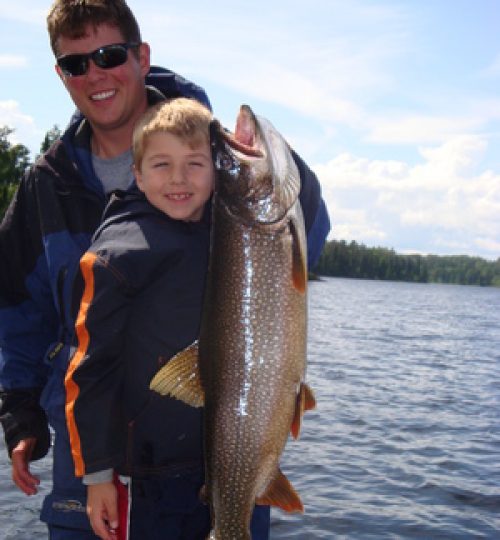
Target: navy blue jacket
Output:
[{"x": 142, "y": 283}]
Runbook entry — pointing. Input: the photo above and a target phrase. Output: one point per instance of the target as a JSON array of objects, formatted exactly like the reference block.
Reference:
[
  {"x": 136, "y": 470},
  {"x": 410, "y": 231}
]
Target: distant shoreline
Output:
[{"x": 353, "y": 260}]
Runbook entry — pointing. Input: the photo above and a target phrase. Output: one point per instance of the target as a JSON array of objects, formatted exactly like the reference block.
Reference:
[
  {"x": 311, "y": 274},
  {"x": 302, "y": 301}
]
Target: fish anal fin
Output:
[
  {"x": 305, "y": 402},
  {"x": 180, "y": 378},
  {"x": 308, "y": 396},
  {"x": 281, "y": 493}
]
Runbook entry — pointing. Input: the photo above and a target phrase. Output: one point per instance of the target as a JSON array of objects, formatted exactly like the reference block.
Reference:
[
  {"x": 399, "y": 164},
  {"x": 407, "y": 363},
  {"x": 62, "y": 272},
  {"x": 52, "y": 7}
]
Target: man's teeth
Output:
[{"x": 103, "y": 95}]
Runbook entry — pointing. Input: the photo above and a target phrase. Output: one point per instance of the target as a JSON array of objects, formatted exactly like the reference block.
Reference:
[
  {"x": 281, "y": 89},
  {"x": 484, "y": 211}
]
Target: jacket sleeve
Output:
[
  {"x": 316, "y": 218},
  {"x": 28, "y": 321},
  {"x": 94, "y": 378},
  {"x": 22, "y": 417}
]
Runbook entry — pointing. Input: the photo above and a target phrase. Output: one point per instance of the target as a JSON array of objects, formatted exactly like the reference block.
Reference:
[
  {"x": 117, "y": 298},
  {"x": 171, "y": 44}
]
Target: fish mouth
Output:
[{"x": 242, "y": 149}]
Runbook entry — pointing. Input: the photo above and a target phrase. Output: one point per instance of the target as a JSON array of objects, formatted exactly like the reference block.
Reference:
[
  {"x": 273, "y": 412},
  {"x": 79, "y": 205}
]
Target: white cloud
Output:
[
  {"x": 24, "y": 11},
  {"x": 489, "y": 245},
  {"x": 420, "y": 129},
  {"x": 25, "y": 130},
  {"x": 12, "y": 61},
  {"x": 446, "y": 196},
  {"x": 296, "y": 63}
]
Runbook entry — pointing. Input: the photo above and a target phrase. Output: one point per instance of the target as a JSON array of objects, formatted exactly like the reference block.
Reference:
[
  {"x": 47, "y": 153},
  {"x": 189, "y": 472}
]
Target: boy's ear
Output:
[{"x": 138, "y": 177}]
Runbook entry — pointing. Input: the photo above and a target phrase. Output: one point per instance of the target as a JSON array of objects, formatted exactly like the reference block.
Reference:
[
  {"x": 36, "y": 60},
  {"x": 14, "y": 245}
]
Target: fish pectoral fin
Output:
[
  {"x": 180, "y": 378},
  {"x": 282, "y": 494},
  {"x": 299, "y": 259},
  {"x": 305, "y": 402}
]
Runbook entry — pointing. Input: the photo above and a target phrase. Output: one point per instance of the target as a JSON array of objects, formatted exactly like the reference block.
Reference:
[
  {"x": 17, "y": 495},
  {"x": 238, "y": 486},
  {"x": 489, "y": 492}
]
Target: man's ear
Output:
[
  {"x": 60, "y": 74},
  {"x": 144, "y": 58}
]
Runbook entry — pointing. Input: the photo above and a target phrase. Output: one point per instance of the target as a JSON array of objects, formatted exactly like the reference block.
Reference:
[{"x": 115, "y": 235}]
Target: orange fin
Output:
[
  {"x": 299, "y": 259},
  {"x": 305, "y": 402},
  {"x": 180, "y": 378},
  {"x": 281, "y": 493}
]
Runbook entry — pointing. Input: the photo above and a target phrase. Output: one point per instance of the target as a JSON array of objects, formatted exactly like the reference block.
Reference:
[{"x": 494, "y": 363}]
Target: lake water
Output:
[{"x": 405, "y": 441}]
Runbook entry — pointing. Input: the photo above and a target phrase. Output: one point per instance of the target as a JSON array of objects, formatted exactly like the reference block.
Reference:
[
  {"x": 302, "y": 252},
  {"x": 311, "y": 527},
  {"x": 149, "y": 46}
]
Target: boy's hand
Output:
[{"x": 102, "y": 509}]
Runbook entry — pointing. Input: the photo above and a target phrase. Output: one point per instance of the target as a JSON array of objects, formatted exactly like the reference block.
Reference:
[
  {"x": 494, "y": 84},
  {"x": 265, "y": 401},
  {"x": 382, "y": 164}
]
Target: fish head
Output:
[{"x": 257, "y": 178}]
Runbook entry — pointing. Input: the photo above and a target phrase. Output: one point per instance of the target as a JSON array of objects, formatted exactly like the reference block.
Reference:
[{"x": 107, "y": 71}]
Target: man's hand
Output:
[
  {"x": 102, "y": 509},
  {"x": 21, "y": 475}
]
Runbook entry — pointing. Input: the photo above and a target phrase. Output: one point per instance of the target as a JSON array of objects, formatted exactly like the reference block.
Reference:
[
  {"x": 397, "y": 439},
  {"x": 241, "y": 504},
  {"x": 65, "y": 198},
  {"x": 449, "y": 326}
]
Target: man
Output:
[{"x": 105, "y": 66}]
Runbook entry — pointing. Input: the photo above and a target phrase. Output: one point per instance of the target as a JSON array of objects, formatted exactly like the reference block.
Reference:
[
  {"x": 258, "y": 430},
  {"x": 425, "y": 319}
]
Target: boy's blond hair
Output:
[{"x": 185, "y": 118}]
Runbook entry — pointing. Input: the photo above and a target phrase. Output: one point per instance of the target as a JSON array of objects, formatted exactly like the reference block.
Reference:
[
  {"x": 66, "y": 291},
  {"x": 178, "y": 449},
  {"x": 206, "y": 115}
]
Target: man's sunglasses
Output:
[{"x": 107, "y": 57}]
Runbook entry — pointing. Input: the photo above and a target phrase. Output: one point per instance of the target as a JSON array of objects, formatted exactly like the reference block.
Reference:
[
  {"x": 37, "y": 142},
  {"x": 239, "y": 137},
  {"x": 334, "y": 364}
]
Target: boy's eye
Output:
[{"x": 160, "y": 164}]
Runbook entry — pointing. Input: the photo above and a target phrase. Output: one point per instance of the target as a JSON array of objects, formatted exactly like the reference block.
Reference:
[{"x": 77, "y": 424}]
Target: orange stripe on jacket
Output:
[{"x": 72, "y": 389}]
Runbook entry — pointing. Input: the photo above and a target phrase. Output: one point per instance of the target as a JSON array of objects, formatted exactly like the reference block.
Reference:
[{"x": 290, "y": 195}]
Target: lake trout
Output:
[{"x": 248, "y": 366}]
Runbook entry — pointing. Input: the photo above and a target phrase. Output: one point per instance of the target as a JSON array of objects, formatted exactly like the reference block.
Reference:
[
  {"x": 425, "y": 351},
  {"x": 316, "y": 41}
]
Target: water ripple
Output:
[{"x": 405, "y": 441}]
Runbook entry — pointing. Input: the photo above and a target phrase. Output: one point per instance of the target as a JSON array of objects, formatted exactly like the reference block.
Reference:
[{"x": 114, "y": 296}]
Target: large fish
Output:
[{"x": 252, "y": 343}]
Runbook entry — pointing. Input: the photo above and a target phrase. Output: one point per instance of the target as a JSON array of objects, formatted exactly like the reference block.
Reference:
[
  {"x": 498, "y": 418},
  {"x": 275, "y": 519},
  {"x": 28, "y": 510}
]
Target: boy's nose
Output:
[{"x": 178, "y": 177}]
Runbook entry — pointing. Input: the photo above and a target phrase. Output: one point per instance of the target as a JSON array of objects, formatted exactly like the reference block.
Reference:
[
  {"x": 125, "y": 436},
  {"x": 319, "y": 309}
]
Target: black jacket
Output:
[{"x": 143, "y": 281}]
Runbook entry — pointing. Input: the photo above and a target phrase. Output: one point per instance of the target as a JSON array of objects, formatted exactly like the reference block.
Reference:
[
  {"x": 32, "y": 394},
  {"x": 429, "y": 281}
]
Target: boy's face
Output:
[
  {"x": 176, "y": 179},
  {"x": 114, "y": 98}
]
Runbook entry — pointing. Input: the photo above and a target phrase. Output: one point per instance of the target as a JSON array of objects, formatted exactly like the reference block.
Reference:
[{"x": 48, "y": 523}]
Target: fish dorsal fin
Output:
[
  {"x": 281, "y": 493},
  {"x": 305, "y": 402},
  {"x": 180, "y": 378}
]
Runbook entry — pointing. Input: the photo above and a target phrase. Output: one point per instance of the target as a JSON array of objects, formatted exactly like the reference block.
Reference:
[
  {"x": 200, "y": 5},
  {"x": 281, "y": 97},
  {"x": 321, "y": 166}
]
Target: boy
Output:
[{"x": 143, "y": 288}]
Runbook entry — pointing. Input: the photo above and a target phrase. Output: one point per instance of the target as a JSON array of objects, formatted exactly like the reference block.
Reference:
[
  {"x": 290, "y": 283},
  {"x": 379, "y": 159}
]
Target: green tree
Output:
[
  {"x": 51, "y": 136},
  {"x": 14, "y": 160},
  {"x": 358, "y": 261}
]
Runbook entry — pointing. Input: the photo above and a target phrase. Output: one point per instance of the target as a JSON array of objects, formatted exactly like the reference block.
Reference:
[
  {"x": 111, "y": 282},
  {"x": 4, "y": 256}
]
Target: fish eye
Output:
[{"x": 224, "y": 162}]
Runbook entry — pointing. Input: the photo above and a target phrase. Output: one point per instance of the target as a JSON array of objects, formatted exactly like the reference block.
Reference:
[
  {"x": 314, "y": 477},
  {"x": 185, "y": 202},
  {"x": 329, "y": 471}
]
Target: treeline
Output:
[
  {"x": 342, "y": 259},
  {"x": 14, "y": 160}
]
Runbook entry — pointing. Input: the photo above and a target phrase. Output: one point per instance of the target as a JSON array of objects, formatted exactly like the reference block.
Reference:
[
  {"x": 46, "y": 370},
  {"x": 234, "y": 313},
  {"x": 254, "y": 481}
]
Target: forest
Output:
[
  {"x": 354, "y": 260},
  {"x": 339, "y": 258}
]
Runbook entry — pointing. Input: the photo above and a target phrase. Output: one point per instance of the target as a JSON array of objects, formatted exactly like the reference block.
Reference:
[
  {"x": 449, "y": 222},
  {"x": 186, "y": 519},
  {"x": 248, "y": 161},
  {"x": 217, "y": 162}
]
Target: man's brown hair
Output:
[{"x": 72, "y": 18}]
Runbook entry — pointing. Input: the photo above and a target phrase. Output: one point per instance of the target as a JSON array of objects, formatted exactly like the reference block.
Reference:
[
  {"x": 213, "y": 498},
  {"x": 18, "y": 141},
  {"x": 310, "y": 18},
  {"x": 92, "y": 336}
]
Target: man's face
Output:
[{"x": 111, "y": 99}]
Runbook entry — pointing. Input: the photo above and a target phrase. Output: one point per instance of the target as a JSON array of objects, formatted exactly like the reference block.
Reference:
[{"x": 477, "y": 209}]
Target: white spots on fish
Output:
[
  {"x": 248, "y": 332},
  {"x": 243, "y": 402}
]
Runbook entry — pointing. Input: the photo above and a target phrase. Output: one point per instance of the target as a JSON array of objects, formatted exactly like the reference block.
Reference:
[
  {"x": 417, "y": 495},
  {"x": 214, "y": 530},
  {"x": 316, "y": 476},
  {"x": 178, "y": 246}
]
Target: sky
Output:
[{"x": 394, "y": 104}]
